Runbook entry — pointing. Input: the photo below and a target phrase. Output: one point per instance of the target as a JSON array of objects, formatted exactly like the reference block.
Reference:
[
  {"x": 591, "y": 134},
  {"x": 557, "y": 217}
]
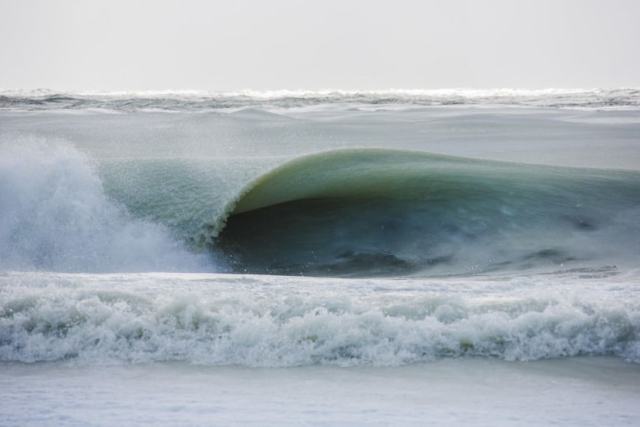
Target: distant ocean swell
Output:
[{"x": 622, "y": 98}]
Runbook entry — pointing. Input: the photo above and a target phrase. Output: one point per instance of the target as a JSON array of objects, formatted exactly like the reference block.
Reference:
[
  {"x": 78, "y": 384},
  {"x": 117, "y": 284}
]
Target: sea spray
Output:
[{"x": 54, "y": 215}]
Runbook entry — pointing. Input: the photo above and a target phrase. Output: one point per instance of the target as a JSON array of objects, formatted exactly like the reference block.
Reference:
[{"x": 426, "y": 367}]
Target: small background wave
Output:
[{"x": 44, "y": 99}]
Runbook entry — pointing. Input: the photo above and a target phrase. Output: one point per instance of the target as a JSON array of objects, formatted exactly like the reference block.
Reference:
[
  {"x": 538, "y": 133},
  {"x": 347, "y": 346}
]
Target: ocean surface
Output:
[{"x": 320, "y": 258}]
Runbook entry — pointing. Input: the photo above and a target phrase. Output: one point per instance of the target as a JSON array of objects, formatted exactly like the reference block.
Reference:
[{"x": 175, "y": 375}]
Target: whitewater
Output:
[{"x": 328, "y": 257}]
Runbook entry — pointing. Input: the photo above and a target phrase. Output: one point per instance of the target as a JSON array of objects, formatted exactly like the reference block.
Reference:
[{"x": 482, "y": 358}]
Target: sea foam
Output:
[{"x": 278, "y": 321}]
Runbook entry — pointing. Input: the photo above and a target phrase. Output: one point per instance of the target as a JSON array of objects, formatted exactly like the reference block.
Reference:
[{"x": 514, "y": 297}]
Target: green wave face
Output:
[{"x": 386, "y": 212}]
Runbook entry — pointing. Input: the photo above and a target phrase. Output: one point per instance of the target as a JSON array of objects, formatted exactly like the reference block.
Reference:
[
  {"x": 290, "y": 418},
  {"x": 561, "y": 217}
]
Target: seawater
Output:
[{"x": 405, "y": 241}]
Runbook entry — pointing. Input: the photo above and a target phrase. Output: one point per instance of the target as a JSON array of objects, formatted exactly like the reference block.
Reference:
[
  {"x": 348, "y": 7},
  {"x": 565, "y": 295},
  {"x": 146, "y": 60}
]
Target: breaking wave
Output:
[
  {"x": 275, "y": 322},
  {"x": 55, "y": 215},
  {"x": 359, "y": 212}
]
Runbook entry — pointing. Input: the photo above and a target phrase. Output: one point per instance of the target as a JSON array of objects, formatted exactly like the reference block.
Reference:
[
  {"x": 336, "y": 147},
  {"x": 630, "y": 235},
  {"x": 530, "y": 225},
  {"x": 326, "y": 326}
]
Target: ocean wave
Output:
[
  {"x": 388, "y": 212},
  {"x": 358, "y": 212},
  {"x": 21, "y": 100}
]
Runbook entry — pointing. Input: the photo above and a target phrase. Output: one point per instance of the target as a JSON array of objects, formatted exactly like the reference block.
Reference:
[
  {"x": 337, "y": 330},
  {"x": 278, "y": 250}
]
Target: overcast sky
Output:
[{"x": 304, "y": 44}]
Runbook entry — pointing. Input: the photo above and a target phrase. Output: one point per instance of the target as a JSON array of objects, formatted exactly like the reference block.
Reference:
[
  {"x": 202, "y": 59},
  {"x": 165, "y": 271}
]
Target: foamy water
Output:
[{"x": 278, "y": 321}]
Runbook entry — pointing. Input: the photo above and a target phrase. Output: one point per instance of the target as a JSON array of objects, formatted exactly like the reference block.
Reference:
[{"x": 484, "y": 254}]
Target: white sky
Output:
[{"x": 304, "y": 44}]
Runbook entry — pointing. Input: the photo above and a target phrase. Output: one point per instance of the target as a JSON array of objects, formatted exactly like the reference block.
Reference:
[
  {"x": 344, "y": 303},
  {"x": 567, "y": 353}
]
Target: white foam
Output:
[{"x": 54, "y": 215}]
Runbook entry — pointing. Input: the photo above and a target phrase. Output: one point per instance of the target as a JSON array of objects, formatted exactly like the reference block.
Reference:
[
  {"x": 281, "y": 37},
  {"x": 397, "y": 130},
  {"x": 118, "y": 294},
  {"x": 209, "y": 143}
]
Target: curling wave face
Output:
[{"x": 384, "y": 212}]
